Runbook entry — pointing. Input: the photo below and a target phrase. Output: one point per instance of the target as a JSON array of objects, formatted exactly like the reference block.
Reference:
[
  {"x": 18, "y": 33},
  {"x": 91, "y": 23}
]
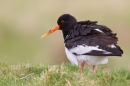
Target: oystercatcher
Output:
[{"x": 86, "y": 41}]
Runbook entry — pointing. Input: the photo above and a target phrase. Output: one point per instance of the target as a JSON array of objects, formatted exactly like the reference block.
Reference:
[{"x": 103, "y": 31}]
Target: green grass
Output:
[{"x": 61, "y": 75}]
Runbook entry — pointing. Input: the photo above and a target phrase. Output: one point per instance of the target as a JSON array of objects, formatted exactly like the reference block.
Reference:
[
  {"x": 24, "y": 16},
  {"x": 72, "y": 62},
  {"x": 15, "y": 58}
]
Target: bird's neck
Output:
[
  {"x": 66, "y": 29},
  {"x": 64, "y": 33}
]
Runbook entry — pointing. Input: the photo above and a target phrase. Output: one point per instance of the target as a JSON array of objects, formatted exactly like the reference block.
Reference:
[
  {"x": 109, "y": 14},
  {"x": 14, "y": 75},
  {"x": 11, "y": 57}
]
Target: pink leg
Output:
[
  {"x": 82, "y": 65},
  {"x": 93, "y": 68}
]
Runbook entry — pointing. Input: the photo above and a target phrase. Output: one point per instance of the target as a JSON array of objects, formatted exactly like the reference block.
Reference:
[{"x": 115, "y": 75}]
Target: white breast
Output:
[{"x": 71, "y": 57}]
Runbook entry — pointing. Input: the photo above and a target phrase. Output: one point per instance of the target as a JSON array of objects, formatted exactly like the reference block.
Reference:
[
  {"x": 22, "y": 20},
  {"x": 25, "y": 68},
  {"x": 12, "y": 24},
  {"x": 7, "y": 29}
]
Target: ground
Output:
[{"x": 61, "y": 75}]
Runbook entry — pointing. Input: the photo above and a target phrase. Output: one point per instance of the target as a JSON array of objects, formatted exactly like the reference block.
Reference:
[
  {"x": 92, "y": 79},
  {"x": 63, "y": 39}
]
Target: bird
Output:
[{"x": 86, "y": 42}]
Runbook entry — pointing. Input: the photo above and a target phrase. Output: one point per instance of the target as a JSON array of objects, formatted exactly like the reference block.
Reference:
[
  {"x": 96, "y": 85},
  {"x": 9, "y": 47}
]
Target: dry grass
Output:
[{"x": 61, "y": 75}]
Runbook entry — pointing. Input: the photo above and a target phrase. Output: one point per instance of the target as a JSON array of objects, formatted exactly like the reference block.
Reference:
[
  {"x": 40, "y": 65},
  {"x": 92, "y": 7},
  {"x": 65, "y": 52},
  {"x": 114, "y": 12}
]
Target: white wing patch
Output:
[
  {"x": 98, "y": 30},
  {"x": 112, "y": 46},
  {"x": 80, "y": 49}
]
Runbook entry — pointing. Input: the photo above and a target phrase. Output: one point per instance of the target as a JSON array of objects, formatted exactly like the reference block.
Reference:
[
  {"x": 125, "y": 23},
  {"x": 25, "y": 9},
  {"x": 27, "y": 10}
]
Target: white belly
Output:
[{"x": 90, "y": 60}]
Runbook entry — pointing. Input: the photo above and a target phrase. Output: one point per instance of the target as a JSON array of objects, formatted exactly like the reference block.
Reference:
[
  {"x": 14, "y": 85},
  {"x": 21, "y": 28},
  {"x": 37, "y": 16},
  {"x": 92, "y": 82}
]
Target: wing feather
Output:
[{"x": 91, "y": 34}]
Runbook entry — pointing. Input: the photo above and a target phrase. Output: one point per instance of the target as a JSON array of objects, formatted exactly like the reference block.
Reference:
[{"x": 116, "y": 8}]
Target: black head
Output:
[{"x": 66, "y": 22}]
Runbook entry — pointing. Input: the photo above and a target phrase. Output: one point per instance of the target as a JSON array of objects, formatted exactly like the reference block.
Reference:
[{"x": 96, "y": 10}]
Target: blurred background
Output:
[{"x": 23, "y": 22}]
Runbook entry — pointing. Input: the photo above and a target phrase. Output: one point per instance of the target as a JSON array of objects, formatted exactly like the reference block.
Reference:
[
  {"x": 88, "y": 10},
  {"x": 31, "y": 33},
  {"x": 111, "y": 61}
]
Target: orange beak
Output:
[{"x": 51, "y": 31}]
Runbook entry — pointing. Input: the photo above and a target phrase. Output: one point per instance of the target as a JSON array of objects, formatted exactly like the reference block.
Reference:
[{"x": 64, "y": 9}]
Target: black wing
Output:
[{"x": 91, "y": 34}]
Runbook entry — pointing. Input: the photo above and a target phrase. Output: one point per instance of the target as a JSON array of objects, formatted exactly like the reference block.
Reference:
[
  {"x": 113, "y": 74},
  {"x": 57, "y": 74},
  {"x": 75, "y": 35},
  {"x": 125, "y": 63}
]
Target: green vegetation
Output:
[{"x": 61, "y": 75}]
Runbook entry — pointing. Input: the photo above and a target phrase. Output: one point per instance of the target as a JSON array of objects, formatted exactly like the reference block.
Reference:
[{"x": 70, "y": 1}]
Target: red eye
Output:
[{"x": 62, "y": 21}]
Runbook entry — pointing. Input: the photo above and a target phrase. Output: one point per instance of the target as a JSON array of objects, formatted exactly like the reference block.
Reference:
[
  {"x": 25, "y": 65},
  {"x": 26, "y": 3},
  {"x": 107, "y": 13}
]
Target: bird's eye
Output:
[{"x": 62, "y": 21}]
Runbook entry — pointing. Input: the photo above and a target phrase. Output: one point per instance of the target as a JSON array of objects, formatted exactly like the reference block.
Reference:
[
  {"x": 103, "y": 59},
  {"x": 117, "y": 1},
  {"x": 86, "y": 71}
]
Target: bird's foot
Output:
[
  {"x": 82, "y": 66},
  {"x": 93, "y": 68}
]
